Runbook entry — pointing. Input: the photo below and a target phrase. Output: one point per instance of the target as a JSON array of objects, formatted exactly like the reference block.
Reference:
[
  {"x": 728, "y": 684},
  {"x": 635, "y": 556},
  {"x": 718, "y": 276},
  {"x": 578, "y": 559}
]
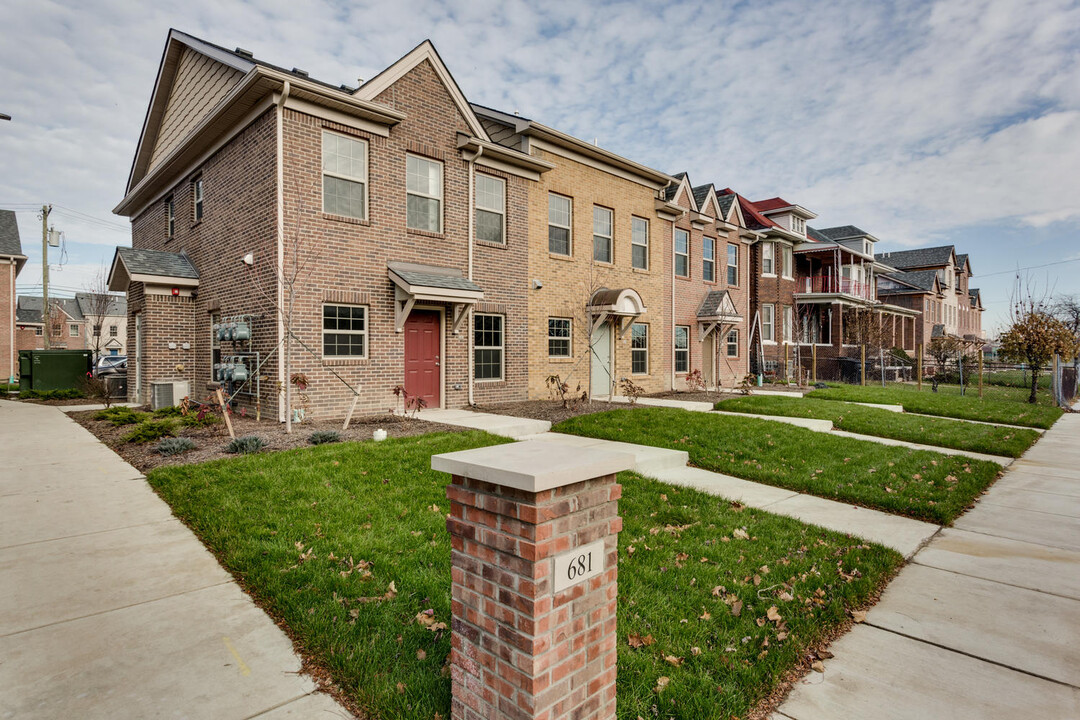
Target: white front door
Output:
[
  {"x": 138, "y": 358},
  {"x": 600, "y": 349}
]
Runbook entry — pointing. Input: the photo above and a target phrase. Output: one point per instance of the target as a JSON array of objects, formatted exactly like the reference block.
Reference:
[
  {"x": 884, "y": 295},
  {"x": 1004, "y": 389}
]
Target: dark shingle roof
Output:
[
  {"x": 9, "y": 234},
  {"x": 921, "y": 279},
  {"x": 973, "y": 295},
  {"x": 725, "y": 201},
  {"x": 962, "y": 260},
  {"x": 672, "y": 190},
  {"x": 923, "y": 257},
  {"x": 815, "y": 234},
  {"x": 432, "y": 276},
  {"x": 843, "y": 232},
  {"x": 700, "y": 193},
  {"x": 713, "y": 304},
  {"x": 938, "y": 331},
  {"x": 117, "y": 304},
  {"x": 28, "y": 308},
  {"x": 157, "y": 262}
]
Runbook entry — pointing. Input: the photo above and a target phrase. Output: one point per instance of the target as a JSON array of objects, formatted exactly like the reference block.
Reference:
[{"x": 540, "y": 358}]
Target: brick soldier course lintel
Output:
[{"x": 523, "y": 516}]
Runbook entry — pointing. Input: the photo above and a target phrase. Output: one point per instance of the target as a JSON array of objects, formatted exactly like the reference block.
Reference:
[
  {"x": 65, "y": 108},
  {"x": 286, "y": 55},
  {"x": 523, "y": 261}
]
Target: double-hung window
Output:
[
  {"x": 112, "y": 331},
  {"x": 601, "y": 234},
  {"x": 768, "y": 323},
  {"x": 768, "y": 258},
  {"x": 732, "y": 264},
  {"x": 97, "y": 330},
  {"x": 424, "y": 194},
  {"x": 708, "y": 259},
  {"x": 682, "y": 253},
  {"x": 490, "y": 209},
  {"x": 788, "y": 261},
  {"x": 344, "y": 331},
  {"x": 639, "y": 349},
  {"x": 170, "y": 218},
  {"x": 197, "y": 196},
  {"x": 73, "y": 330},
  {"x": 488, "y": 346},
  {"x": 682, "y": 348},
  {"x": 559, "y": 337},
  {"x": 788, "y": 324},
  {"x": 344, "y": 175},
  {"x": 559, "y": 213},
  {"x": 639, "y": 243},
  {"x": 733, "y": 343}
]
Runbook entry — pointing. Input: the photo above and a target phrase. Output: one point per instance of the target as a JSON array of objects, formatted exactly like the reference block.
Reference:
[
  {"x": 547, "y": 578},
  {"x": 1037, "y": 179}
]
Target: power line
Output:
[{"x": 1030, "y": 267}]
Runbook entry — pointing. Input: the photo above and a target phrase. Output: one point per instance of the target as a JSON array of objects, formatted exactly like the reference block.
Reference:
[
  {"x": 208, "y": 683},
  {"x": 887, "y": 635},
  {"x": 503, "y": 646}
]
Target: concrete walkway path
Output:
[
  {"x": 110, "y": 607},
  {"x": 504, "y": 425},
  {"x": 985, "y": 622}
]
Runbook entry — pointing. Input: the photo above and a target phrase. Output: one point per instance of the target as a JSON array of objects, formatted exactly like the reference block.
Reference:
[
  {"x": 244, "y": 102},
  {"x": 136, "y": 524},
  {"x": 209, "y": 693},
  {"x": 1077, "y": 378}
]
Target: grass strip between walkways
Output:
[
  {"x": 346, "y": 543},
  {"x": 916, "y": 483},
  {"x": 1009, "y": 409},
  {"x": 941, "y": 432}
]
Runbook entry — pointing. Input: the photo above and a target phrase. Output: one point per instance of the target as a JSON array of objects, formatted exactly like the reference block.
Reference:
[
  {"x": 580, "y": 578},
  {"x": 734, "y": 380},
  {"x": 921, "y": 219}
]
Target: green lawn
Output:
[
  {"x": 998, "y": 404},
  {"x": 318, "y": 535},
  {"x": 941, "y": 432},
  {"x": 919, "y": 484}
]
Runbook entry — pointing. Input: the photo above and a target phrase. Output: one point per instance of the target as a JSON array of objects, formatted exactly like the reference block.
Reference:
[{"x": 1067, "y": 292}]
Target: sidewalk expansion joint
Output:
[{"x": 171, "y": 518}]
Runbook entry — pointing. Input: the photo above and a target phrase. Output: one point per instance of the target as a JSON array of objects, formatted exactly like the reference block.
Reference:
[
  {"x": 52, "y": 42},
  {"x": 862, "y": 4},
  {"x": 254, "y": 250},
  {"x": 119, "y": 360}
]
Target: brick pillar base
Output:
[{"x": 526, "y": 519}]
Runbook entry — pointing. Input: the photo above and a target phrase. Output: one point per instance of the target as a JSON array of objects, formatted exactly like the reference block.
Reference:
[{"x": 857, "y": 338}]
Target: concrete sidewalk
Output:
[
  {"x": 110, "y": 607},
  {"x": 985, "y": 622}
]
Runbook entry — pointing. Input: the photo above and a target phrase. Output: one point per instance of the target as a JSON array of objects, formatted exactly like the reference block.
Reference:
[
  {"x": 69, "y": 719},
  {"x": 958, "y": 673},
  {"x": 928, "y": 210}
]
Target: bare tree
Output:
[{"x": 98, "y": 303}]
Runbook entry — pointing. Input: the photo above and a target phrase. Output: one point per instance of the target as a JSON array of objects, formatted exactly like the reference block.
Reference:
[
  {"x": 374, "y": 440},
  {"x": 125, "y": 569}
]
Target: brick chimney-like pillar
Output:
[{"x": 534, "y": 528}]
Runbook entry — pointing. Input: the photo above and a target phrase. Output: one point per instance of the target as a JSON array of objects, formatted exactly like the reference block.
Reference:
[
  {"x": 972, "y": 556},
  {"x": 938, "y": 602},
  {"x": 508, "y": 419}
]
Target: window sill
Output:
[
  {"x": 768, "y": 342},
  {"x": 682, "y": 277},
  {"x": 343, "y": 362},
  {"x": 787, "y": 277},
  {"x": 490, "y": 381},
  {"x": 196, "y": 224},
  {"x": 603, "y": 263},
  {"x": 560, "y": 256},
  {"x": 768, "y": 275},
  {"x": 425, "y": 233},
  {"x": 643, "y": 271},
  {"x": 560, "y": 360},
  {"x": 490, "y": 244},
  {"x": 346, "y": 219}
]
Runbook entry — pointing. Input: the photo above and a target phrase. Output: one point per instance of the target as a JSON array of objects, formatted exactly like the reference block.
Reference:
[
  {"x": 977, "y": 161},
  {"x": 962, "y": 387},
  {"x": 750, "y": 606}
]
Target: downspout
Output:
[
  {"x": 671, "y": 343},
  {"x": 282, "y": 99},
  {"x": 12, "y": 356},
  {"x": 472, "y": 231}
]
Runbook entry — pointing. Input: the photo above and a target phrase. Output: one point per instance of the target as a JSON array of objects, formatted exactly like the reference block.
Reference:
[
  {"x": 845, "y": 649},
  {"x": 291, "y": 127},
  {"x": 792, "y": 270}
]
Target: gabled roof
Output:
[
  {"x": 28, "y": 308},
  {"x": 431, "y": 276},
  {"x": 9, "y": 234},
  {"x": 755, "y": 220},
  {"x": 117, "y": 304},
  {"x": 962, "y": 261},
  {"x": 815, "y": 235},
  {"x": 717, "y": 303},
  {"x": 974, "y": 297},
  {"x": 846, "y": 232},
  {"x": 777, "y": 204},
  {"x": 424, "y": 51},
  {"x": 920, "y": 258},
  {"x": 134, "y": 265},
  {"x": 725, "y": 202},
  {"x": 672, "y": 191},
  {"x": 701, "y": 193},
  {"x": 938, "y": 331},
  {"x": 921, "y": 281}
]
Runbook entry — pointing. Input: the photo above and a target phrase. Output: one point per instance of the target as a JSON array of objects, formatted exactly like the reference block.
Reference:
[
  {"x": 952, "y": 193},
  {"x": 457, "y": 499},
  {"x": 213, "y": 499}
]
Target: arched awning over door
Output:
[{"x": 621, "y": 304}]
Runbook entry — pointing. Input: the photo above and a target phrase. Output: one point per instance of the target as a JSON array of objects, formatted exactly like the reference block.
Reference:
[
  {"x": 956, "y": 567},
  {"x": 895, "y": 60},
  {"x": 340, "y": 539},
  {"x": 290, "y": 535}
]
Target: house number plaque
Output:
[{"x": 579, "y": 565}]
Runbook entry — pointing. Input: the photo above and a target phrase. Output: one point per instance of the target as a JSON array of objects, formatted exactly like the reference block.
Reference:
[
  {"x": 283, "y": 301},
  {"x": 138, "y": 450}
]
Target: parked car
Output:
[{"x": 109, "y": 365}]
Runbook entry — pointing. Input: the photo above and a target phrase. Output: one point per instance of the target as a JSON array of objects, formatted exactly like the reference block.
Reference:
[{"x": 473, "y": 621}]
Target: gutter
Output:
[{"x": 472, "y": 232}]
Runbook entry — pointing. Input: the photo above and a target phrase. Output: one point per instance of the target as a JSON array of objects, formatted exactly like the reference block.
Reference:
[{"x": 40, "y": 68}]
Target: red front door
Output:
[{"x": 422, "y": 356}]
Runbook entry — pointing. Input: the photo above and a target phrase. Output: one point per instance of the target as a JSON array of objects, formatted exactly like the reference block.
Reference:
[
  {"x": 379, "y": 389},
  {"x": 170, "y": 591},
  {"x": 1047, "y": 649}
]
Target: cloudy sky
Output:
[{"x": 923, "y": 123}]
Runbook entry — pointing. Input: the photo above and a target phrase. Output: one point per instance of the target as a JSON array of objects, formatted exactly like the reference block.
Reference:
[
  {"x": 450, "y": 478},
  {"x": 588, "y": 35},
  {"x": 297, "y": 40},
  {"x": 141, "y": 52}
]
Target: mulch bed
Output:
[
  {"x": 550, "y": 410},
  {"x": 211, "y": 441},
  {"x": 56, "y": 402}
]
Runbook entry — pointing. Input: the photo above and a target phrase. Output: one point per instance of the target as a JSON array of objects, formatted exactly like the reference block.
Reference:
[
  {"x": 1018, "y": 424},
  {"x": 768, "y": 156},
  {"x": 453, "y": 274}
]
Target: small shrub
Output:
[
  {"x": 246, "y": 445},
  {"x": 167, "y": 412},
  {"x": 97, "y": 388},
  {"x": 322, "y": 437},
  {"x": 631, "y": 390},
  {"x": 199, "y": 420},
  {"x": 695, "y": 382},
  {"x": 69, "y": 394},
  {"x": 175, "y": 446},
  {"x": 120, "y": 415},
  {"x": 150, "y": 430}
]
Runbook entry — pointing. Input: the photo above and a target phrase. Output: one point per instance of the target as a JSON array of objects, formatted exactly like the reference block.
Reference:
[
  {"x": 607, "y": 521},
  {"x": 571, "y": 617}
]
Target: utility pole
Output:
[{"x": 45, "y": 210}]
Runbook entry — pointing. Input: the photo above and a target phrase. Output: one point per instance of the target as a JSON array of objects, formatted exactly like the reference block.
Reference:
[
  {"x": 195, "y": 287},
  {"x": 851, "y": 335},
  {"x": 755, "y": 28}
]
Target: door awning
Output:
[
  {"x": 431, "y": 283},
  {"x": 717, "y": 311},
  {"x": 621, "y": 303}
]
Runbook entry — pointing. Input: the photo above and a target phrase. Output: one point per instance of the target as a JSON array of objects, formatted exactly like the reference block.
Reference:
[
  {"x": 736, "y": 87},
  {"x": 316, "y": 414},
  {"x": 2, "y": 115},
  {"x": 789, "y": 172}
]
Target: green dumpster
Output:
[{"x": 54, "y": 369}]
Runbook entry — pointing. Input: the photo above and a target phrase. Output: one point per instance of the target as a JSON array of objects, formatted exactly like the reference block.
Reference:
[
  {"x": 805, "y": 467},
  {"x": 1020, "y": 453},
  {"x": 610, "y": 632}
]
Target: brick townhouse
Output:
[
  {"x": 89, "y": 321},
  {"x": 262, "y": 199},
  {"x": 935, "y": 281},
  {"x": 12, "y": 260}
]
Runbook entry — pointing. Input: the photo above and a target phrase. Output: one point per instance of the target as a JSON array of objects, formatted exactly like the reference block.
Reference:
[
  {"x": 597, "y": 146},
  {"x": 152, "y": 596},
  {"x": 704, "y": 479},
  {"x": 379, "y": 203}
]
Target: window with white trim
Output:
[
  {"x": 113, "y": 331},
  {"x": 639, "y": 349},
  {"x": 733, "y": 343},
  {"x": 170, "y": 218},
  {"x": 682, "y": 253},
  {"x": 559, "y": 337},
  {"x": 639, "y": 243},
  {"x": 97, "y": 330},
  {"x": 601, "y": 234},
  {"x": 487, "y": 346},
  {"x": 344, "y": 331},
  {"x": 682, "y": 348},
  {"x": 423, "y": 194},
  {"x": 788, "y": 261},
  {"x": 344, "y": 175},
  {"x": 73, "y": 330},
  {"x": 490, "y": 209},
  {"x": 733, "y": 265},
  {"x": 768, "y": 323},
  {"x": 788, "y": 324},
  {"x": 708, "y": 259},
  {"x": 39, "y": 331},
  {"x": 197, "y": 197},
  {"x": 768, "y": 258},
  {"x": 560, "y": 210}
]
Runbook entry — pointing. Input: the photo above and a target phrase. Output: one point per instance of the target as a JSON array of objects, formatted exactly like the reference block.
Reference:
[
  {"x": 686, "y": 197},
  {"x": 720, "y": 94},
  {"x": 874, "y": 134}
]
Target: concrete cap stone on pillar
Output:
[{"x": 532, "y": 465}]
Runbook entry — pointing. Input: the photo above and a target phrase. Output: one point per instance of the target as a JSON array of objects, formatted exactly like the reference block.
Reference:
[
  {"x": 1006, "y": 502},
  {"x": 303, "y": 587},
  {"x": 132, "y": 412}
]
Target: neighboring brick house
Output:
[
  {"x": 12, "y": 260},
  {"x": 68, "y": 327},
  {"x": 364, "y": 199},
  {"x": 710, "y": 294},
  {"x": 598, "y": 267},
  {"x": 105, "y": 319},
  {"x": 947, "y": 300}
]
